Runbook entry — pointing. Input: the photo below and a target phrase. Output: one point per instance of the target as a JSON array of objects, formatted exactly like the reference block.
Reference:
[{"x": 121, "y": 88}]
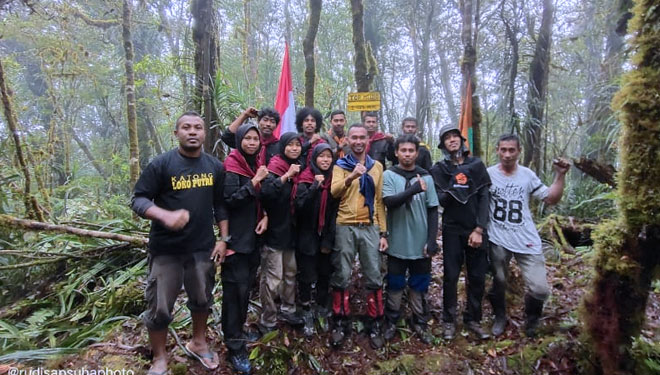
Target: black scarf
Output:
[{"x": 460, "y": 181}]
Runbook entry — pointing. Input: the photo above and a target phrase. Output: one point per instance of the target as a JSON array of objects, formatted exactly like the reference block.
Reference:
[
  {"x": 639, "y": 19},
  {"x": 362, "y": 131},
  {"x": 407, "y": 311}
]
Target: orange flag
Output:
[{"x": 465, "y": 121}]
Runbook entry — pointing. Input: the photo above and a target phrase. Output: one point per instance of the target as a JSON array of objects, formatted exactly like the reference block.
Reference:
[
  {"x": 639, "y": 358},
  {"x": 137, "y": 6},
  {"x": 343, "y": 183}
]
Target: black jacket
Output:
[
  {"x": 382, "y": 150},
  {"x": 308, "y": 201},
  {"x": 241, "y": 198},
  {"x": 463, "y": 193},
  {"x": 276, "y": 198}
]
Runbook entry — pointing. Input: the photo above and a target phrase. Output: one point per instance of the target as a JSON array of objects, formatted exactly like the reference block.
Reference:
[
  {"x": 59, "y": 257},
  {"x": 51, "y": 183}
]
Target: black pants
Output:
[
  {"x": 456, "y": 252},
  {"x": 314, "y": 269},
  {"x": 238, "y": 274}
]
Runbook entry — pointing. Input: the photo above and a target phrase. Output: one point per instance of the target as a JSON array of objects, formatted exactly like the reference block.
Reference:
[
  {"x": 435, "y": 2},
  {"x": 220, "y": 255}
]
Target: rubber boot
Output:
[
  {"x": 533, "y": 312},
  {"x": 420, "y": 316},
  {"x": 499, "y": 310}
]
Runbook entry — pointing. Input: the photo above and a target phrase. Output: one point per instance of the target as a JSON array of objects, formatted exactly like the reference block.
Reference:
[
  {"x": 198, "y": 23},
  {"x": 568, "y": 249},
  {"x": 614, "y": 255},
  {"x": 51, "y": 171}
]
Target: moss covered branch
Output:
[{"x": 7, "y": 221}]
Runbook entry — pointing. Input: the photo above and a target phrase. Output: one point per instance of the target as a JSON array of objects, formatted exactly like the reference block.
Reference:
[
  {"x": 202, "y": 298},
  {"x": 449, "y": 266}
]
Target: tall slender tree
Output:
[
  {"x": 469, "y": 34},
  {"x": 539, "y": 71},
  {"x": 365, "y": 62},
  {"x": 308, "y": 50},
  {"x": 32, "y": 208},
  {"x": 131, "y": 116},
  {"x": 206, "y": 65}
]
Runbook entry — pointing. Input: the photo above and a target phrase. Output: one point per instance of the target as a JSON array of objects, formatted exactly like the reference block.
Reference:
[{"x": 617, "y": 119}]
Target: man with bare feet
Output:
[{"x": 181, "y": 191}]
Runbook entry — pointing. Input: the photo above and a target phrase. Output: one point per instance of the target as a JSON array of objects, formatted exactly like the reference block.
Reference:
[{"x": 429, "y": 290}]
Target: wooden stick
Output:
[{"x": 14, "y": 222}]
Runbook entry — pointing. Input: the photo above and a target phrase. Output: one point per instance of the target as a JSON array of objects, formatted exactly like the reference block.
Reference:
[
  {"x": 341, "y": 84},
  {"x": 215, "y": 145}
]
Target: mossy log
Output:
[
  {"x": 7, "y": 221},
  {"x": 566, "y": 232}
]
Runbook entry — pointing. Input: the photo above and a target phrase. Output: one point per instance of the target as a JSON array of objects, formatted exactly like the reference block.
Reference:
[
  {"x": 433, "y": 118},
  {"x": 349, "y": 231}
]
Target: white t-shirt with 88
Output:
[{"x": 511, "y": 225}]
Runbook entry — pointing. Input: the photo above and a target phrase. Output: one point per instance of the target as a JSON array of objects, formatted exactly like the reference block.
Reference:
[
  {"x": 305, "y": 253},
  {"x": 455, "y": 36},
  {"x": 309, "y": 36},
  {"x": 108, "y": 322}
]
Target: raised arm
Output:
[{"x": 556, "y": 190}]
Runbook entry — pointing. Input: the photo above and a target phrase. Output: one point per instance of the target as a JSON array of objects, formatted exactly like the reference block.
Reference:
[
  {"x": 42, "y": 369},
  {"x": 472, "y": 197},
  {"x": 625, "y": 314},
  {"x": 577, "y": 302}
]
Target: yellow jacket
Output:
[{"x": 351, "y": 203}]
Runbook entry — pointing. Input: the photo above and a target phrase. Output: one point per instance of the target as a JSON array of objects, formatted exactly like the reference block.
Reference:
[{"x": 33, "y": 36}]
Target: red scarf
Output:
[
  {"x": 307, "y": 176},
  {"x": 261, "y": 158},
  {"x": 308, "y": 159},
  {"x": 376, "y": 137},
  {"x": 236, "y": 163},
  {"x": 279, "y": 166}
]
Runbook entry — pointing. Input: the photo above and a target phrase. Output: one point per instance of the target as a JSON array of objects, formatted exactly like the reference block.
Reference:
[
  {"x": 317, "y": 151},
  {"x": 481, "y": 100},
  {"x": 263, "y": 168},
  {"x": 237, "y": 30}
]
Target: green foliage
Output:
[
  {"x": 270, "y": 356},
  {"x": 588, "y": 199},
  {"x": 72, "y": 302},
  {"x": 647, "y": 356}
]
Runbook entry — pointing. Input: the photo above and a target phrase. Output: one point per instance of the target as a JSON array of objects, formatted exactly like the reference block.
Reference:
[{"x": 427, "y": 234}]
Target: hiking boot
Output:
[
  {"x": 338, "y": 334},
  {"x": 448, "y": 330},
  {"x": 240, "y": 362},
  {"x": 475, "y": 328},
  {"x": 308, "y": 323},
  {"x": 423, "y": 333},
  {"x": 390, "y": 331},
  {"x": 375, "y": 336},
  {"x": 499, "y": 325},
  {"x": 292, "y": 319}
]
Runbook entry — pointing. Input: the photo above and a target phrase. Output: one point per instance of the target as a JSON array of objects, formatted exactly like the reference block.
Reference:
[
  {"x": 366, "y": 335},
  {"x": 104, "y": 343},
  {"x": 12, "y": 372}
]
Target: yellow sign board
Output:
[{"x": 364, "y": 101}]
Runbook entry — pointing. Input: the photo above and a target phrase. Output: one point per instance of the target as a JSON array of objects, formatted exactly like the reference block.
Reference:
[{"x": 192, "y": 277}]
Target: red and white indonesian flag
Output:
[{"x": 284, "y": 100}]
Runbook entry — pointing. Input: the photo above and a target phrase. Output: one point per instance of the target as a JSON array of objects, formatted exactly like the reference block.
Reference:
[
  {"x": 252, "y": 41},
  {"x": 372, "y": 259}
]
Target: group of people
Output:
[{"x": 304, "y": 204}]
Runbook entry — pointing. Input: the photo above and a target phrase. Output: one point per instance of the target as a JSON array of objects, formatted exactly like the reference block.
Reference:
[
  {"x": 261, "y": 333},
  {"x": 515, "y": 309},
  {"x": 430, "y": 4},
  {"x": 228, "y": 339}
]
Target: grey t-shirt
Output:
[{"x": 511, "y": 225}]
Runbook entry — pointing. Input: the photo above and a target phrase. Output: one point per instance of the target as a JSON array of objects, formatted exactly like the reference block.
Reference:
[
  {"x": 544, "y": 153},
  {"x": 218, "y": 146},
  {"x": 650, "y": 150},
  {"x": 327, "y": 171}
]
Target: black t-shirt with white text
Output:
[{"x": 173, "y": 181}]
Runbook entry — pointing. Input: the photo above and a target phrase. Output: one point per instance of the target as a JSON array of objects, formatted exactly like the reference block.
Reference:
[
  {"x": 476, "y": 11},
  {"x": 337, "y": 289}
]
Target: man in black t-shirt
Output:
[{"x": 181, "y": 191}]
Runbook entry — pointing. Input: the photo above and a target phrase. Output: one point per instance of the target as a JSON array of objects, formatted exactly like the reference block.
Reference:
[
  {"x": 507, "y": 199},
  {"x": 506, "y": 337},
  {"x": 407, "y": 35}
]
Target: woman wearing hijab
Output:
[
  {"x": 315, "y": 211},
  {"x": 243, "y": 180},
  {"x": 278, "y": 263}
]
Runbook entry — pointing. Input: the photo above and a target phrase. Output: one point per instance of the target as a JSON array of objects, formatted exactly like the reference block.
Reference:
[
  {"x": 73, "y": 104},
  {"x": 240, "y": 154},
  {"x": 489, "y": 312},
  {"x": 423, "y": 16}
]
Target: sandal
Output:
[{"x": 204, "y": 358}]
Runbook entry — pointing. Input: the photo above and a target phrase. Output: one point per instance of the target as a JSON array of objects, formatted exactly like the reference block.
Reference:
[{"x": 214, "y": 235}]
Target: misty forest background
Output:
[{"x": 90, "y": 91}]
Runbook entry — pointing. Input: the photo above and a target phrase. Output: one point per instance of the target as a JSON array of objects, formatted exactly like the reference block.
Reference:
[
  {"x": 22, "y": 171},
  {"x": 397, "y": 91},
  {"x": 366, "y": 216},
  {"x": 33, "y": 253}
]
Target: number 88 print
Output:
[{"x": 510, "y": 211}]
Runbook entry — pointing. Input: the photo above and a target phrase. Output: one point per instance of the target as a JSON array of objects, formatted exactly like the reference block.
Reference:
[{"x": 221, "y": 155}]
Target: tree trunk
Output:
[
  {"x": 206, "y": 49},
  {"x": 539, "y": 71},
  {"x": 445, "y": 79},
  {"x": 421, "y": 38},
  {"x": 174, "y": 48},
  {"x": 365, "y": 62},
  {"x": 32, "y": 209},
  {"x": 511, "y": 28},
  {"x": 628, "y": 248},
  {"x": 470, "y": 12},
  {"x": 308, "y": 50},
  {"x": 131, "y": 117}
]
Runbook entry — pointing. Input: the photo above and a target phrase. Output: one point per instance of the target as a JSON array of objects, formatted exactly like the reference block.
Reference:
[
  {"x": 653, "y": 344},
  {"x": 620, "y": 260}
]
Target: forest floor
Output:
[{"x": 556, "y": 350}]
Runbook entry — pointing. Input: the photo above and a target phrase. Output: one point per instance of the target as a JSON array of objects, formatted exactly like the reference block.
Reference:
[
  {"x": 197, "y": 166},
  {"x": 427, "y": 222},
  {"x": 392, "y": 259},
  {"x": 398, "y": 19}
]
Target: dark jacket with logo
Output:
[{"x": 463, "y": 193}]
